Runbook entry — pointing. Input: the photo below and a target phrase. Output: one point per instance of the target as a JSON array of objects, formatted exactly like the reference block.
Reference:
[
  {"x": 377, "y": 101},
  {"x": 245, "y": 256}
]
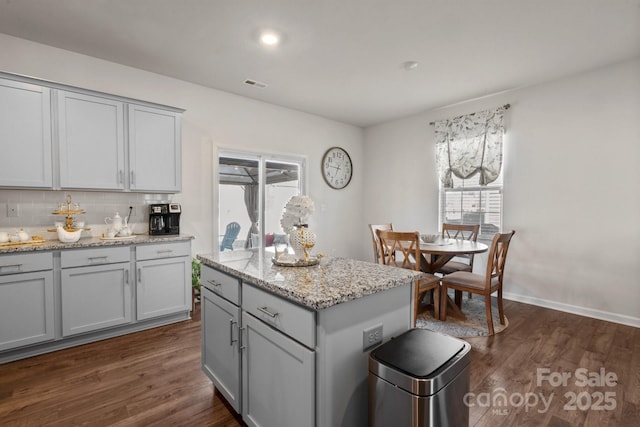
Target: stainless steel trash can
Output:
[{"x": 419, "y": 379}]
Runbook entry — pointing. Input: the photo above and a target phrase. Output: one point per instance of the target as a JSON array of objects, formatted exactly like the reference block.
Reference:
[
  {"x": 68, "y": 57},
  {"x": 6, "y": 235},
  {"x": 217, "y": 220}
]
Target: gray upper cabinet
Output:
[
  {"x": 62, "y": 137},
  {"x": 25, "y": 135},
  {"x": 155, "y": 149},
  {"x": 91, "y": 139}
]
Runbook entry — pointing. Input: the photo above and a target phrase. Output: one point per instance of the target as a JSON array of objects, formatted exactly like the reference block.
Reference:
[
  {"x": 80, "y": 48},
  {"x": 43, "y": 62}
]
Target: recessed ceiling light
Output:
[{"x": 270, "y": 38}]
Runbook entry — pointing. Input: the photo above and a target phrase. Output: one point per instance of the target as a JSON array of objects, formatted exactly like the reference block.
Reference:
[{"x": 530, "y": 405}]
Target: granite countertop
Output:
[
  {"x": 333, "y": 281},
  {"x": 91, "y": 242}
]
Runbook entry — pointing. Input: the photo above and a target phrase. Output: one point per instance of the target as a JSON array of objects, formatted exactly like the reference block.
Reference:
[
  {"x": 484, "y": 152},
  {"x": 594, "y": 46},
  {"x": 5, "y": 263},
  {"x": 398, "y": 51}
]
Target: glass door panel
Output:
[{"x": 253, "y": 191}]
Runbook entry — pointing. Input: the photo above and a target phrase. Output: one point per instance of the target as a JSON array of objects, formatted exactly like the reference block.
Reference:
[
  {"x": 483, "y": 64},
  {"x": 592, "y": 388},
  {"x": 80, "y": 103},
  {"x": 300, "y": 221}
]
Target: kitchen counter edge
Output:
[
  {"x": 92, "y": 242},
  {"x": 373, "y": 284}
]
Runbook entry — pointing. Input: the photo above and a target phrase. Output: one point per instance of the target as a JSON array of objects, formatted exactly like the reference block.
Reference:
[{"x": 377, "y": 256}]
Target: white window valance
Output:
[{"x": 470, "y": 144}]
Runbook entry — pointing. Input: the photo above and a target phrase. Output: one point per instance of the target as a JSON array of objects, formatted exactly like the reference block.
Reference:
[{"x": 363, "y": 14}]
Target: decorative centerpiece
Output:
[
  {"x": 71, "y": 230},
  {"x": 294, "y": 221}
]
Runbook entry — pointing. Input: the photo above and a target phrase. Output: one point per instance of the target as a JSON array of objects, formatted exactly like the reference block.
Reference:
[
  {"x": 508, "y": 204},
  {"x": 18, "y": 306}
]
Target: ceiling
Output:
[{"x": 342, "y": 59}]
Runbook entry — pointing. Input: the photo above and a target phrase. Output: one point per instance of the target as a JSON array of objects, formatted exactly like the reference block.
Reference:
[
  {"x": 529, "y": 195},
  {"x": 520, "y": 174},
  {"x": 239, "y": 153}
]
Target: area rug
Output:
[{"x": 474, "y": 326}]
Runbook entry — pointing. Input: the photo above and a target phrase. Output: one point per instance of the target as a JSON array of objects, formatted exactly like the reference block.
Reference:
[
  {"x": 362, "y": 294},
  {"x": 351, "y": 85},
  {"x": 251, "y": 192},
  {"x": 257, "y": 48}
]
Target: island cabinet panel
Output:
[
  {"x": 303, "y": 347},
  {"x": 224, "y": 285},
  {"x": 95, "y": 297},
  {"x": 91, "y": 141},
  {"x": 25, "y": 130},
  {"x": 221, "y": 345},
  {"x": 163, "y": 279},
  {"x": 26, "y": 309},
  {"x": 293, "y": 320},
  {"x": 155, "y": 149},
  {"x": 278, "y": 377}
]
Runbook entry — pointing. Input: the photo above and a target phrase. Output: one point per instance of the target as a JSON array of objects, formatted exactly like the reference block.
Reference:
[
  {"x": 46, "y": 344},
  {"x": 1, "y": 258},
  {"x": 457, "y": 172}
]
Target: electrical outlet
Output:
[
  {"x": 371, "y": 336},
  {"x": 12, "y": 210}
]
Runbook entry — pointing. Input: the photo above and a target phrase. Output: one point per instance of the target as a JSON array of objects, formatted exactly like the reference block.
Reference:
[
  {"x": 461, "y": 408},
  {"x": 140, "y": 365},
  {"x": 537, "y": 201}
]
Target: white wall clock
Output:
[{"x": 337, "y": 168}]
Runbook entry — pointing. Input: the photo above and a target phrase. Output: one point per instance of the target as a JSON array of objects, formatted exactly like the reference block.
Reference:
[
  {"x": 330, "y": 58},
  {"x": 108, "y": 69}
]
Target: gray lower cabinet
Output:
[
  {"x": 51, "y": 300},
  {"x": 278, "y": 381},
  {"x": 95, "y": 289},
  {"x": 163, "y": 279},
  {"x": 221, "y": 345},
  {"x": 26, "y": 300}
]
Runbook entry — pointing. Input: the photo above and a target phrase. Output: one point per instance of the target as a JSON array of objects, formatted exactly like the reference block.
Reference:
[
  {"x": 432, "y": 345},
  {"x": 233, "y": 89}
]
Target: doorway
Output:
[{"x": 252, "y": 191}]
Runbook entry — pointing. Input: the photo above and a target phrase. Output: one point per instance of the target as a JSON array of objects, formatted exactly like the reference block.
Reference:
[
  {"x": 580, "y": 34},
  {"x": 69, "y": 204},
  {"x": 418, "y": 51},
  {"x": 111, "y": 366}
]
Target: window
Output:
[
  {"x": 470, "y": 203},
  {"x": 470, "y": 146},
  {"x": 252, "y": 191}
]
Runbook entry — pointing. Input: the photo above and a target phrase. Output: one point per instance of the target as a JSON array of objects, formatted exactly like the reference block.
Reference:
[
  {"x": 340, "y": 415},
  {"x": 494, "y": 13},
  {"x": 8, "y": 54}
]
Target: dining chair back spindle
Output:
[
  {"x": 374, "y": 238},
  {"x": 486, "y": 284},
  {"x": 402, "y": 249}
]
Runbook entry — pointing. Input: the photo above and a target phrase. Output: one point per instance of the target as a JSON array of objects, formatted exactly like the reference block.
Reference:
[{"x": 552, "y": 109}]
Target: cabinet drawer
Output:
[
  {"x": 23, "y": 263},
  {"x": 163, "y": 250},
  {"x": 222, "y": 284},
  {"x": 86, "y": 257},
  {"x": 292, "y": 319}
]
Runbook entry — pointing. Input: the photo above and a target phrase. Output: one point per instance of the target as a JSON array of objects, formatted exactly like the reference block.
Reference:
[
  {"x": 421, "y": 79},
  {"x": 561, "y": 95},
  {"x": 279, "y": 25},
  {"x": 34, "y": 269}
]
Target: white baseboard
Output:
[{"x": 574, "y": 309}]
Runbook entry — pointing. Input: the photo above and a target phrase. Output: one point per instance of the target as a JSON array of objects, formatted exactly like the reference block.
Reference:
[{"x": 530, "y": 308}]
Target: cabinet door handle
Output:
[
  {"x": 133, "y": 178},
  {"x": 214, "y": 283},
  {"x": 242, "y": 347},
  {"x": 126, "y": 276},
  {"x": 139, "y": 275},
  {"x": 17, "y": 266},
  {"x": 231, "y": 323},
  {"x": 266, "y": 311},
  {"x": 120, "y": 176}
]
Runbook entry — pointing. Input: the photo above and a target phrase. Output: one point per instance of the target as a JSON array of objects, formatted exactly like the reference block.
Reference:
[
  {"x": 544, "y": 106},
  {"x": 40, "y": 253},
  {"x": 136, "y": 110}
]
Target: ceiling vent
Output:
[{"x": 255, "y": 83}]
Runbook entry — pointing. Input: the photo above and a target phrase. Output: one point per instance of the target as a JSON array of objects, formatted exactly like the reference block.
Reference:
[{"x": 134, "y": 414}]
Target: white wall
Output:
[
  {"x": 571, "y": 174},
  {"x": 571, "y": 192},
  {"x": 215, "y": 119}
]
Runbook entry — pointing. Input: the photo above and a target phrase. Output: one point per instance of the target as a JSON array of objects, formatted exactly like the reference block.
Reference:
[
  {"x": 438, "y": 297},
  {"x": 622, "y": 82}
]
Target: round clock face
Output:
[{"x": 337, "y": 168}]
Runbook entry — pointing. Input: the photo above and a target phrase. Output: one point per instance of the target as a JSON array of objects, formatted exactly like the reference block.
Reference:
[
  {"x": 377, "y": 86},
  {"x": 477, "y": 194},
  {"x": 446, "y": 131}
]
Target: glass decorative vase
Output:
[{"x": 302, "y": 240}]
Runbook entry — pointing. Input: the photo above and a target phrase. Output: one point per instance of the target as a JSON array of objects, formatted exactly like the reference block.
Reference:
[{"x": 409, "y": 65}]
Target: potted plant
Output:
[{"x": 195, "y": 279}]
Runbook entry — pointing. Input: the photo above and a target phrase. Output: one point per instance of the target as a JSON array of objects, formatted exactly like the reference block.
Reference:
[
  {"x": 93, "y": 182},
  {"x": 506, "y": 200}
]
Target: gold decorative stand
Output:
[{"x": 68, "y": 213}]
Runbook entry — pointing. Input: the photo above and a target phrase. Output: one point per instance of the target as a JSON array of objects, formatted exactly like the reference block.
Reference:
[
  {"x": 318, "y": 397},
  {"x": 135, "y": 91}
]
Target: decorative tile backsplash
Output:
[{"x": 35, "y": 209}]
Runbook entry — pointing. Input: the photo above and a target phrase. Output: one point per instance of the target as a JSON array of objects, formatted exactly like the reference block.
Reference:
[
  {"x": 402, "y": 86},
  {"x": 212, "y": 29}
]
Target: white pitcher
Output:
[{"x": 115, "y": 222}]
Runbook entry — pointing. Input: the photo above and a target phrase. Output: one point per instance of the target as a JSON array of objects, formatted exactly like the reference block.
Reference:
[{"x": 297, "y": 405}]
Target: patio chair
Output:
[{"x": 230, "y": 236}]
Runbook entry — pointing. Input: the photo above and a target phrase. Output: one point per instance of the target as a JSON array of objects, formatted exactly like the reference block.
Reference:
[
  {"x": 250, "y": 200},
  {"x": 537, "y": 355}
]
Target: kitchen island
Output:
[{"x": 288, "y": 346}]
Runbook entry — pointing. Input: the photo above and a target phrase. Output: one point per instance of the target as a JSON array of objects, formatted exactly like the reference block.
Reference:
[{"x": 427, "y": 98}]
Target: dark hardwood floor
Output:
[{"x": 154, "y": 378}]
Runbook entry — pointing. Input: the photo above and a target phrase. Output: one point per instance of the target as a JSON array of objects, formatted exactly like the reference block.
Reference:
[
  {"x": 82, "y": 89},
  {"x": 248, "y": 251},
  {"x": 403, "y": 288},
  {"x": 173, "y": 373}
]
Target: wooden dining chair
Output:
[
  {"x": 482, "y": 284},
  {"x": 402, "y": 249},
  {"x": 374, "y": 238},
  {"x": 456, "y": 231}
]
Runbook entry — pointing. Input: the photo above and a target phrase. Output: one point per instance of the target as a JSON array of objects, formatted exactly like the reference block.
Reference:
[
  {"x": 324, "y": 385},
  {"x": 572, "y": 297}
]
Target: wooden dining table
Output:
[{"x": 440, "y": 252}]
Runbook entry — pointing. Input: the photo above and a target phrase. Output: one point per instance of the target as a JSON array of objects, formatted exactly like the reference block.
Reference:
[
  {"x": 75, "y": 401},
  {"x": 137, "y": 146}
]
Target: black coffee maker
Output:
[{"x": 164, "y": 218}]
